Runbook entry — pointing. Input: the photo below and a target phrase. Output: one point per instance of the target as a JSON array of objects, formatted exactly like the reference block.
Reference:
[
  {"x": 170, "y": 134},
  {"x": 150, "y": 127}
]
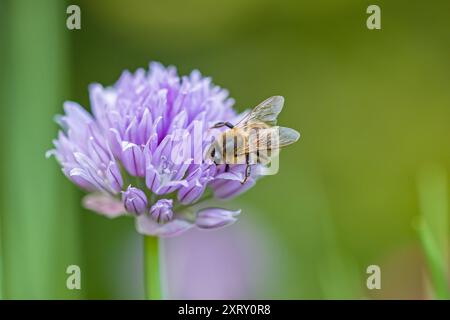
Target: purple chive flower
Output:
[
  {"x": 134, "y": 200},
  {"x": 151, "y": 129},
  {"x": 161, "y": 211}
]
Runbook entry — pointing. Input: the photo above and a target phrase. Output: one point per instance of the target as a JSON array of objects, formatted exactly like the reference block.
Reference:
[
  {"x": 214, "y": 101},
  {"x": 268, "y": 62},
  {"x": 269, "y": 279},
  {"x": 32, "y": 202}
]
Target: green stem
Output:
[
  {"x": 433, "y": 226},
  {"x": 152, "y": 275},
  {"x": 436, "y": 265}
]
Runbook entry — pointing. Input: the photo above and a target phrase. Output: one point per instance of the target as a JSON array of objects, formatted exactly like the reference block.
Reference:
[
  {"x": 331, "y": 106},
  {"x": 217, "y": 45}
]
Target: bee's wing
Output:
[
  {"x": 272, "y": 138},
  {"x": 287, "y": 136},
  {"x": 267, "y": 112}
]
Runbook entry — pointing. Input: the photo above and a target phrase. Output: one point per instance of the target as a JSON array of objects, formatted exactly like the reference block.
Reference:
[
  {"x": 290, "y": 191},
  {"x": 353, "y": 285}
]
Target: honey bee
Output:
[{"x": 253, "y": 140}]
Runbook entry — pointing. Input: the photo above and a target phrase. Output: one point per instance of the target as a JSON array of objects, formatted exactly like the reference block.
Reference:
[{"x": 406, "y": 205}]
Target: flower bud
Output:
[
  {"x": 134, "y": 200},
  {"x": 161, "y": 211}
]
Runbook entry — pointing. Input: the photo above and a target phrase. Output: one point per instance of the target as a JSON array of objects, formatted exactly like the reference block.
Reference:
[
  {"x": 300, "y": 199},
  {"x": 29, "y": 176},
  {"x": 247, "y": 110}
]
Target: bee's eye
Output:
[{"x": 213, "y": 152}]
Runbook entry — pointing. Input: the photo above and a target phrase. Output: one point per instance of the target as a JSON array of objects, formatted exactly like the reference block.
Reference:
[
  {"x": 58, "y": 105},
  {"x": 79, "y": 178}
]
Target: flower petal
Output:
[
  {"x": 133, "y": 159},
  {"x": 104, "y": 204},
  {"x": 227, "y": 189},
  {"x": 147, "y": 226},
  {"x": 211, "y": 218}
]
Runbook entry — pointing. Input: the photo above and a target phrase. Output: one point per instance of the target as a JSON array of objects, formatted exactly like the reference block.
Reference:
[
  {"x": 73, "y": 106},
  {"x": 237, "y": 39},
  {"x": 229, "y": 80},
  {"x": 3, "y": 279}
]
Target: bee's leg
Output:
[
  {"x": 247, "y": 174},
  {"x": 227, "y": 167},
  {"x": 223, "y": 124},
  {"x": 247, "y": 168}
]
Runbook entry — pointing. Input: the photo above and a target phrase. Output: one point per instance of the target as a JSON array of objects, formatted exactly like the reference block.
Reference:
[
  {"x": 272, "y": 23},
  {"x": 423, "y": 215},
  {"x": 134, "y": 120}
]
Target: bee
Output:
[{"x": 255, "y": 139}]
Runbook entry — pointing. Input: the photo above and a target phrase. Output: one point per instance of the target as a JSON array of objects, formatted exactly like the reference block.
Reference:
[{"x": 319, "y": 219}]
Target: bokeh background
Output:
[{"x": 373, "y": 108}]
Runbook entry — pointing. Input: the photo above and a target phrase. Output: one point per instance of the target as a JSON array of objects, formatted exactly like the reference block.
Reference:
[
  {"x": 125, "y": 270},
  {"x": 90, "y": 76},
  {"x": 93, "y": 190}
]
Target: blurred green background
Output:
[{"x": 373, "y": 108}]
